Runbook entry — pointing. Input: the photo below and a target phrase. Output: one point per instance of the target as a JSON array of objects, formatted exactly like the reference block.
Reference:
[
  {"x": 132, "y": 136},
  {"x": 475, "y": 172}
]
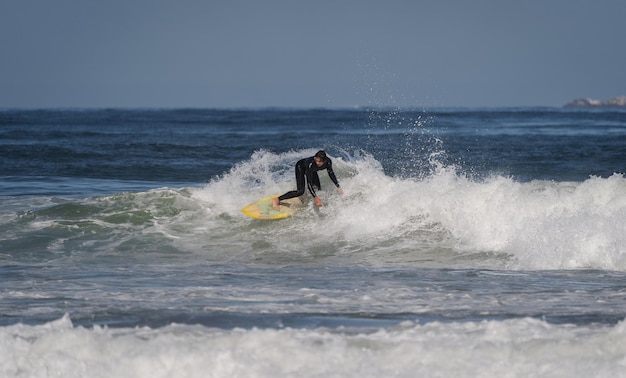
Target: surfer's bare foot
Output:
[{"x": 275, "y": 204}]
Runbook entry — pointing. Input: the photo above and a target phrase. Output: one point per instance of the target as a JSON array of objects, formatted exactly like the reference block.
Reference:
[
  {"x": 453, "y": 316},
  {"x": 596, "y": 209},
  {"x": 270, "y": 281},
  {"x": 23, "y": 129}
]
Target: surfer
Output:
[{"x": 306, "y": 169}]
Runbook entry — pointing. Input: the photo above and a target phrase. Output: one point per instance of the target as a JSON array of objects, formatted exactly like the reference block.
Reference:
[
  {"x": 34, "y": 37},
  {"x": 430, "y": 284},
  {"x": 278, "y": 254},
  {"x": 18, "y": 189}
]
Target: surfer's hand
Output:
[
  {"x": 340, "y": 190},
  {"x": 318, "y": 201}
]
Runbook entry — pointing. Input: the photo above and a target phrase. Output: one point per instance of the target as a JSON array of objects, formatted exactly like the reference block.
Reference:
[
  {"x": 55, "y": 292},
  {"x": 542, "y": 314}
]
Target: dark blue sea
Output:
[{"x": 467, "y": 243}]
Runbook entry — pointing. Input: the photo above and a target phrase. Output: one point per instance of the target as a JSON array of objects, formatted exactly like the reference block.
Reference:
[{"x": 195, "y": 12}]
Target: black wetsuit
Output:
[{"x": 306, "y": 168}]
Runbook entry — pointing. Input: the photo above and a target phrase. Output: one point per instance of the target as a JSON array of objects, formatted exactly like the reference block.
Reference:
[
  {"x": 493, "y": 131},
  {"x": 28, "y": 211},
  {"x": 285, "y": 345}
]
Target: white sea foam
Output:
[
  {"x": 518, "y": 348},
  {"x": 543, "y": 225},
  {"x": 535, "y": 225}
]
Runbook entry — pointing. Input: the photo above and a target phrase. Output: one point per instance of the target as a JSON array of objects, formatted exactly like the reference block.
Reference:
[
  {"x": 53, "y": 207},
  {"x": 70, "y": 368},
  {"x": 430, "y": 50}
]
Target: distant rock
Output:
[{"x": 587, "y": 102}]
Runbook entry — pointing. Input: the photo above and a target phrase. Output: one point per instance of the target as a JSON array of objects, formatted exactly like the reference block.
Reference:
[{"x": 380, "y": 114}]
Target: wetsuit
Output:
[{"x": 306, "y": 168}]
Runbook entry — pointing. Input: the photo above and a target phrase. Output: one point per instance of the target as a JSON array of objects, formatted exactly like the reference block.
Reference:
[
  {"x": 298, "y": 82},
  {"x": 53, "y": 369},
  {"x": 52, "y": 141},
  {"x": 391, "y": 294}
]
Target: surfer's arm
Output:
[{"x": 331, "y": 174}]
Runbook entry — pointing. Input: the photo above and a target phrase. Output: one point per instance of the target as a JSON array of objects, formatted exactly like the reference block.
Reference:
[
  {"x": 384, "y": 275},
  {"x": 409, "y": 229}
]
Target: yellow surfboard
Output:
[{"x": 263, "y": 209}]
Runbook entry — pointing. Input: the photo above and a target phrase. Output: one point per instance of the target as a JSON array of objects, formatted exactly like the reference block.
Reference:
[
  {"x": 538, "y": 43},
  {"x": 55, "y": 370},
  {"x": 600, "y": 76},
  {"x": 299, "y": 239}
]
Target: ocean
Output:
[{"x": 467, "y": 243}]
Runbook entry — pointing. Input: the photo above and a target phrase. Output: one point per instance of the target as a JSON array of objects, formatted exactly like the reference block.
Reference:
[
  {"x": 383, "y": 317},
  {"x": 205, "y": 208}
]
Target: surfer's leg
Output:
[
  {"x": 315, "y": 181},
  {"x": 300, "y": 181},
  {"x": 294, "y": 193}
]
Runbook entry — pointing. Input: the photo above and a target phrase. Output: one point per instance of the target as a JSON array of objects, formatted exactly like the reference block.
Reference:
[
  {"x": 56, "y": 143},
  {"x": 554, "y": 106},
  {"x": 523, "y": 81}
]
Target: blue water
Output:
[{"x": 492, "y": 238}]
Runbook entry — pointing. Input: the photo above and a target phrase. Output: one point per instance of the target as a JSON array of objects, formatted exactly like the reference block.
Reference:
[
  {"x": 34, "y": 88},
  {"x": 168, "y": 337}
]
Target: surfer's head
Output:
[{"x": 320, "y": 158}]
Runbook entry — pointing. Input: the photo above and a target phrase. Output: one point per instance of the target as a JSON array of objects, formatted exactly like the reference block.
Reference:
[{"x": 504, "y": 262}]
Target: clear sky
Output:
[{"x": 321, "y": 53}]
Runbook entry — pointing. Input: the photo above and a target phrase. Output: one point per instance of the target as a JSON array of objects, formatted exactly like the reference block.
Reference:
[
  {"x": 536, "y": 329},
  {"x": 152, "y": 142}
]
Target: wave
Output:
[
  {"x": 540, "y": 224},
  {"x": 446, "y": 218},
  {"x": 447, "y": 215},
  {"x": 517, "y": 347}
]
